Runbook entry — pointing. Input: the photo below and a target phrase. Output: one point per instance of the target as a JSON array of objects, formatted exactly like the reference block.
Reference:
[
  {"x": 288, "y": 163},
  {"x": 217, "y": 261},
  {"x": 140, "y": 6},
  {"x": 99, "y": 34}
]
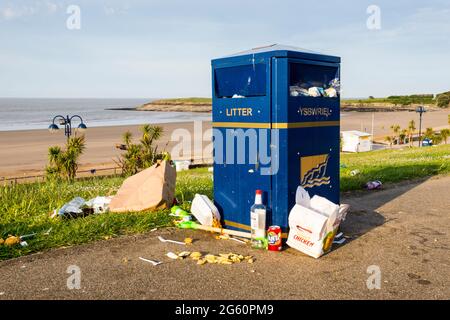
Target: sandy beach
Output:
[{"x": 24, "y": 153}]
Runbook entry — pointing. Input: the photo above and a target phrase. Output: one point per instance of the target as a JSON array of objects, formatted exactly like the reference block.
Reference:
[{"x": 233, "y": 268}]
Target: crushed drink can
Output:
[{"x": 274, "y": 238}]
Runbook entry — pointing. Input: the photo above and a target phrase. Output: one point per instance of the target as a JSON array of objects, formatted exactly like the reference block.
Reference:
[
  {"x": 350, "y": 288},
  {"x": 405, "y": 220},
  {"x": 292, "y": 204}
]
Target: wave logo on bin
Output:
[{"x": 313, "y": 171}]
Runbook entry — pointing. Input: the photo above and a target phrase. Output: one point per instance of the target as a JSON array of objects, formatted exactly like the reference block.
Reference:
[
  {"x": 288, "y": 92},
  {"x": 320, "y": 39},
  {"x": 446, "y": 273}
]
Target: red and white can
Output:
[{"x": 274, "y": 238}]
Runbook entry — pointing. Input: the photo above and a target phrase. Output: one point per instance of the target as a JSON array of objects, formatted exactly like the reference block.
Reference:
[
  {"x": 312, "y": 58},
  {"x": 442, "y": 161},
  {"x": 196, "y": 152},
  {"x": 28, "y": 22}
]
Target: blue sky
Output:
[{"x": 163, "y": 48}]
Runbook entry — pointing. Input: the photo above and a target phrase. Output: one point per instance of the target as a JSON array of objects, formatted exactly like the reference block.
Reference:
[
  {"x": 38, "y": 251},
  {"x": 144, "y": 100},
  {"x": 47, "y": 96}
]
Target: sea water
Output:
[{"x": 37, "y": 113}]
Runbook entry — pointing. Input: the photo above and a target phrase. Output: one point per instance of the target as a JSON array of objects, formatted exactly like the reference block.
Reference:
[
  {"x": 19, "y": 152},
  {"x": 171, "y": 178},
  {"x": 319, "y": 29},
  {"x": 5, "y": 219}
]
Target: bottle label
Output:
[{"x": 257, "y": 222}]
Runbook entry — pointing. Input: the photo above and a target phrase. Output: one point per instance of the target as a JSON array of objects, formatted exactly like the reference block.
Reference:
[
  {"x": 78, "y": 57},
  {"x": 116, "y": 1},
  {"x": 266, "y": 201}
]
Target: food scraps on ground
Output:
[
  {"x": 12, "y": 240},
  {"x": 172, "y": 255},
  {"x": 222, "y": 258}
]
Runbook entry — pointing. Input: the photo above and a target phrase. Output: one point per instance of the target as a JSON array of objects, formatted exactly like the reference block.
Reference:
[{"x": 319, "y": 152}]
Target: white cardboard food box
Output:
[
  {"x": 204, "y": 210},
  {"x": 313, "y": 225}
]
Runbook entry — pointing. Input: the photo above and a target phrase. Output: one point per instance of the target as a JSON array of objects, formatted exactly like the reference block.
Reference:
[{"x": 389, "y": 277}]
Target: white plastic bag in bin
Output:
[{"x": 204, "y": 210}]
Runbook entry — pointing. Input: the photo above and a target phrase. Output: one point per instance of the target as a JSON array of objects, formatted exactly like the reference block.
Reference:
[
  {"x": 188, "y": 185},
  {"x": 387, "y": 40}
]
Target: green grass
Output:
[
  {"x": 25, "y": 208},
  {"x": 397, "y": 100},
  {"x": 394, "y": 165}
]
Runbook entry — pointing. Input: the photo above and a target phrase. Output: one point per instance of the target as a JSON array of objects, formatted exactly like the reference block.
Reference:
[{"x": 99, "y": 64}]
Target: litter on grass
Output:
[
  {"x": 372, "y": 185},
  {"x": 78, "y": 207}
]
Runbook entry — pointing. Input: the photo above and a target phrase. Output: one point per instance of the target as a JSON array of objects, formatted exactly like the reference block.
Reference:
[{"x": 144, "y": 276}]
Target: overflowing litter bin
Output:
[{"x": 276, "y": 127}]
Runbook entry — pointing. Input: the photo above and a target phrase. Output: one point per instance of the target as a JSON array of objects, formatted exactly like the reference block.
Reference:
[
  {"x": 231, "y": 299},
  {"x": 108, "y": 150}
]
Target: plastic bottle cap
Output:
[{"x": 258, "y": 191}]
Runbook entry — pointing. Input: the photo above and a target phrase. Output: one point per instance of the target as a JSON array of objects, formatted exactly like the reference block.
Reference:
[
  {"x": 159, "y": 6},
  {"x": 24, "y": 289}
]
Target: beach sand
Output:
[{"x": 24, "y": 153}]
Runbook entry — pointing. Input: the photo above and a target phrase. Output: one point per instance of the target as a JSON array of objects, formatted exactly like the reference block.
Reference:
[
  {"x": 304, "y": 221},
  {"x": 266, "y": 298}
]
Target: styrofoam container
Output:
[{"x": 204, "y": 210}]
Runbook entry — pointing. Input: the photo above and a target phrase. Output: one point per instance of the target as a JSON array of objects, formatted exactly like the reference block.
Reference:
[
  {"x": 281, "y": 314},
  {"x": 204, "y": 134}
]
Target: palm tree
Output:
[
  {"x": 444, "y": 134},
  {"x": 127, "y": 138},
  {"x": 143, "y": 154},
  {"x": 65, "y": 162},
  {"x": 411, "y": 130},
  {"x": 396, "y": 129},
  {"x": 149, "y": 135},
  {"x": 402, "y": 136},
  {"x": 428, "y": 133}
]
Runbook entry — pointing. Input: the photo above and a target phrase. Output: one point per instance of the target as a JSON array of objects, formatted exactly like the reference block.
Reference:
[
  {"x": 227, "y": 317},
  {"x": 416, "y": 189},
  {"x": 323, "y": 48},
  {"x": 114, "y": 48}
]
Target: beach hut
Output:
[{"x": 356, "y": 141}]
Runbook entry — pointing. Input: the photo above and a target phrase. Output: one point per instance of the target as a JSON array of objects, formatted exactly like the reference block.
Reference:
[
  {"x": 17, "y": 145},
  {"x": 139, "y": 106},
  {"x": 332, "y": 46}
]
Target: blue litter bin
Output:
[{"x": 275, "y": 127}]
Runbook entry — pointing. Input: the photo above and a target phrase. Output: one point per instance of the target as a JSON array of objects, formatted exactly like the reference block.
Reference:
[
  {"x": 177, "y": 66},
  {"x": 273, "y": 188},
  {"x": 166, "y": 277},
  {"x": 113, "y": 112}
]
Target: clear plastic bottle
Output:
[{"x": 258, "y": 222}]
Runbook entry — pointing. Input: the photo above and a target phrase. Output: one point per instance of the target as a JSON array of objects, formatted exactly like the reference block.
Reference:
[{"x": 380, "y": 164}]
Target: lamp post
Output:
[
  {"x": 420, "y": 110},
  {"x": 67, "y": 122}
]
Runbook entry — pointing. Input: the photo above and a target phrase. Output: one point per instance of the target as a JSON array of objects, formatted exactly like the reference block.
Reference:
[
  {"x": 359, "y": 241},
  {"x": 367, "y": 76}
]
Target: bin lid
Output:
[{"x": 279, "y": 50}]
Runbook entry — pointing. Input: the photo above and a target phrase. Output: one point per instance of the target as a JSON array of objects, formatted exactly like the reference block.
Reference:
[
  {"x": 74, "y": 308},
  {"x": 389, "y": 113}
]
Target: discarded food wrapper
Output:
[
  {"x": 205, "y": 211},
  {"x": 73, "y": 208},
  {"x": 302, "y": 197},
  {"x": 150, "y": 189},
  {"x": 99, "y": 204},
  {"x": 313, "y": 227},
  {"x": 371, "y": 185}
]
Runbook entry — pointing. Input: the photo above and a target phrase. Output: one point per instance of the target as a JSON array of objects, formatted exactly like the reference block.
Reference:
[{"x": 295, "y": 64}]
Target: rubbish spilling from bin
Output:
[
  {"x": 313, "y": 225},
  {"x": 150, "y": 189},
  {"x": 205, "y": 211}
]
